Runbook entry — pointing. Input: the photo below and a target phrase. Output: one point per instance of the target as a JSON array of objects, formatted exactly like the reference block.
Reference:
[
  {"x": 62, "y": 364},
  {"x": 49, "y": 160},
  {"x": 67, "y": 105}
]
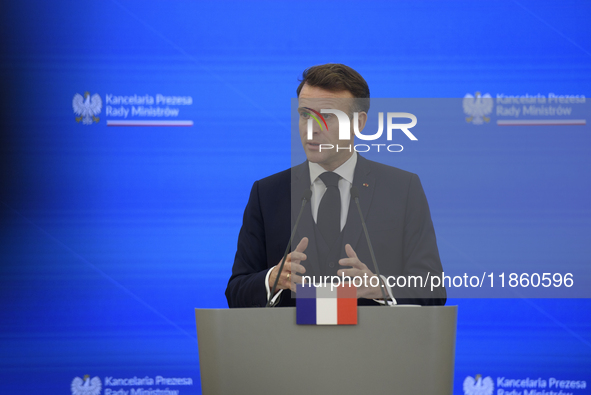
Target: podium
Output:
[{"x": 392, "y": 350}]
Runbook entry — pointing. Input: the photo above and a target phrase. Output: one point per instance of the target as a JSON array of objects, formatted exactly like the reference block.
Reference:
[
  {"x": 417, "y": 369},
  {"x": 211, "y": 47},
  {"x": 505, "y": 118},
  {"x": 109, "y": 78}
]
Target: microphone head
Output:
[
  {"x": 307, "y": 194},
  {"x": 354, "y": 192}
]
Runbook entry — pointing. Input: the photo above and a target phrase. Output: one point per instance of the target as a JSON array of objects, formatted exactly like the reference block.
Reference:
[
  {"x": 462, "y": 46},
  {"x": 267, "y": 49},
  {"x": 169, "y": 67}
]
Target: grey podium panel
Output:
[{"x": 393, "y": 350}]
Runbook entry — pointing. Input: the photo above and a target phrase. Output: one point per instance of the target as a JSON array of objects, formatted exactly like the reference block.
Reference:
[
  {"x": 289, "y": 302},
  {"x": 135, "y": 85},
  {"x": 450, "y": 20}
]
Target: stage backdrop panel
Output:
[{"x": 118, "y": 222}]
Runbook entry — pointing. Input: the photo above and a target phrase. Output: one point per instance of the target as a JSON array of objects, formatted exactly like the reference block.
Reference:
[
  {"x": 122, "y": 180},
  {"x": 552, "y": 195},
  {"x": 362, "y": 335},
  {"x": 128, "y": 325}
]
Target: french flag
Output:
[{"x": 326, "y": 305}]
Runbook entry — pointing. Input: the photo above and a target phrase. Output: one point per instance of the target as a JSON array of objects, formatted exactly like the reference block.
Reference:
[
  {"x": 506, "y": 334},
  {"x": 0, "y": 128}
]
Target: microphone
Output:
[
  {"x": 305, "y": 199},
  {"x": 355, "y": 196}
]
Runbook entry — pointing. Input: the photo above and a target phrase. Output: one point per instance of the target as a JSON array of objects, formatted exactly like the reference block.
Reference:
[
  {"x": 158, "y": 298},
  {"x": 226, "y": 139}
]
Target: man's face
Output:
[{"x": 317, "y": 99}]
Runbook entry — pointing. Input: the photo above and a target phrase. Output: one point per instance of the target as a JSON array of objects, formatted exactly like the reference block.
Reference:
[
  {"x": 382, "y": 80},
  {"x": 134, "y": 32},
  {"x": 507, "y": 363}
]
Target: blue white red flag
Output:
[{"x": 326, "y": 305}]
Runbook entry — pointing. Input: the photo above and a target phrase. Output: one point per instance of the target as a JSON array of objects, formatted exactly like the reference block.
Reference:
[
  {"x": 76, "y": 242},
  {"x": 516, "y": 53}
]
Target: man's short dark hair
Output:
[{"x": 337, "y": 77}]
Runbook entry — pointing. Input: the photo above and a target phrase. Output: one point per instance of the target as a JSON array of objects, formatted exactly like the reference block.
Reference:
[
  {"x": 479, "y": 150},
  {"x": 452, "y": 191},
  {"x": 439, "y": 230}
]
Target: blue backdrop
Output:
[{"x": 112, "y": 235}]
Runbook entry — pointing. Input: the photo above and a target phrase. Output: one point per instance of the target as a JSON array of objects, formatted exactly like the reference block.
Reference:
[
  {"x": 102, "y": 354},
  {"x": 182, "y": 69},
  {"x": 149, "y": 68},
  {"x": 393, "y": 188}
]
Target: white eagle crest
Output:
[
  {"x": 478, "y": 107},
  {"x": 478, "y": 385},
  {"x": 86, "y": 386},
  {"x": 87, "y": 107}
]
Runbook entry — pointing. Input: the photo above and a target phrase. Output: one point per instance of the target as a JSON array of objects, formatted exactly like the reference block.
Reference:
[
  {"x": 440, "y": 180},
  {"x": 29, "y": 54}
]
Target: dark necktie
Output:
[{"x": 329, "y": 211}]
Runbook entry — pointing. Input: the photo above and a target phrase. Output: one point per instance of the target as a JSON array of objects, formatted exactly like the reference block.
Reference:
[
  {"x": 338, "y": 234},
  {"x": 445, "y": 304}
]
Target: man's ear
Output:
[{"x": 359, "y": 120}]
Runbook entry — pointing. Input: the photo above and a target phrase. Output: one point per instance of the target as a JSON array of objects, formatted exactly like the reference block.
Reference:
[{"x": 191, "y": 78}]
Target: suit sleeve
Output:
[
  {"x": 420, "y": 253},
  {"x": 246, "y": 287}
]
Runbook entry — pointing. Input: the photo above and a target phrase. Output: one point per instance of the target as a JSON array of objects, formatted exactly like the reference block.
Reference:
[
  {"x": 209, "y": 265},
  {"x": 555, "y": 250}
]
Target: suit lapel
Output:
[
  {"x": 300, "y": 181},
  {"x": 364, "y": 180}
]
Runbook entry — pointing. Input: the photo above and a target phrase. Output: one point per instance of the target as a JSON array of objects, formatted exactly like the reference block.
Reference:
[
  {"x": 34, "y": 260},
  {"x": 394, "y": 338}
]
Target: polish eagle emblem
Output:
[
  {"x": 87, "y": 108},
  {"x": 86, "y": 386},
  {"x": 478, "y": 107},
  {"x": 478, "y": 385}
]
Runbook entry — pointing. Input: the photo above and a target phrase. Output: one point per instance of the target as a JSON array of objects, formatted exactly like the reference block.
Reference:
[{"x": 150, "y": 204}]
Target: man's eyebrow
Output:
[{"x": 312, "y": 112}]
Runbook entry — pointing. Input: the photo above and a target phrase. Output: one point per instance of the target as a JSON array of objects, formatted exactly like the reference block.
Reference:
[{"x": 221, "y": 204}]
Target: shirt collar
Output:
[{"x": 346, "y": 170}]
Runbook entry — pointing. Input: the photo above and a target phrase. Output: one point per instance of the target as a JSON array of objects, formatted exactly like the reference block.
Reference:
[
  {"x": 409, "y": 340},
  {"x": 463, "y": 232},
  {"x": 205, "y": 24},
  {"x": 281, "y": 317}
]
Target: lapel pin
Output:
[{"x": 365, "y": 185}]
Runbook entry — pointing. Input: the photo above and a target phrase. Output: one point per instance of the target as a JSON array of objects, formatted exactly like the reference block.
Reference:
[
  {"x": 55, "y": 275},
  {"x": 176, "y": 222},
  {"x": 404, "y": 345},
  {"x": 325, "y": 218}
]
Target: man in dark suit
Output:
[{"x": 329, "y": 236}]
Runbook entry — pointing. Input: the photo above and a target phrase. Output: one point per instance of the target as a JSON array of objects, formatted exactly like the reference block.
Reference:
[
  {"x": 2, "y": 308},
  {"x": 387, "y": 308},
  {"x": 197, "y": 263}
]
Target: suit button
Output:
[{"x": 330, "y": 264}]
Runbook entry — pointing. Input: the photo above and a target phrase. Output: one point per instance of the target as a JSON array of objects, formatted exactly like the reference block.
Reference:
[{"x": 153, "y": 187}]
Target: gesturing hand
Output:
[
  {"x": 288, "y": 277},
  {"x": 359, "y": 269}
]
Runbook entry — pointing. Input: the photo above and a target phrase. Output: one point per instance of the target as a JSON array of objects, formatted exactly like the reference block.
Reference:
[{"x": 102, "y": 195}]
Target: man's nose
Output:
[
  {"x": 314, "y": 125},
  {"x": 316, "y": 128}
]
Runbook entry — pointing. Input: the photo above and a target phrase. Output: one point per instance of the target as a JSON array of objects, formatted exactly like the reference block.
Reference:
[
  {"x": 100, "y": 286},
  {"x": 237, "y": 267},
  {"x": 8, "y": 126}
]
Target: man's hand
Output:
[
  {"x": 288, "y": 277},
  {"x": 359, "y": 269}
]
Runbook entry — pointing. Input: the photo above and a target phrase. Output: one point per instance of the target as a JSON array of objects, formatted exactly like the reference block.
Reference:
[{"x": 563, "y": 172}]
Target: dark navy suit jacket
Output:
[{"x": 398, "y": 221}]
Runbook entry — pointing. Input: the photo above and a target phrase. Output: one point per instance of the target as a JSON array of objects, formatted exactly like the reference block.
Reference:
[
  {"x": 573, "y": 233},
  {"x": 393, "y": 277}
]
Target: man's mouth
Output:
[{"x": 313, "y": 146}]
